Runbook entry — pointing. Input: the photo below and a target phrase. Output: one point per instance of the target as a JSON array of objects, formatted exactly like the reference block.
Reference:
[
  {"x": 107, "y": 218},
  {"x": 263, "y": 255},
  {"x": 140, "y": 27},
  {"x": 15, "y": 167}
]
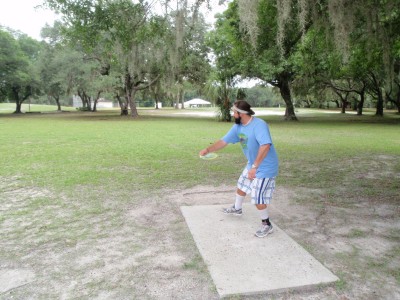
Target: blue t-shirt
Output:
[{"x": 251, "y": 137}]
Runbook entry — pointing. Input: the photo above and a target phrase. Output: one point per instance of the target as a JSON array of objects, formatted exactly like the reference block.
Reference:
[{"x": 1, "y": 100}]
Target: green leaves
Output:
[{"x": 18, "y": 79}]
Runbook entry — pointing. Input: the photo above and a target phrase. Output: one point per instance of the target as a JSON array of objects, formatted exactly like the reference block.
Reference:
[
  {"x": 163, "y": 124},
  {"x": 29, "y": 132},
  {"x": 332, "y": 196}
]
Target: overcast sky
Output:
[{"x": 21, "y": 15}]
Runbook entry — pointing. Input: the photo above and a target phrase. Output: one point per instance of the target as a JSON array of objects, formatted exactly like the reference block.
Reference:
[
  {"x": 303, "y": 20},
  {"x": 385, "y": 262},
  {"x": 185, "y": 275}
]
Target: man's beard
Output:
[{"x": 238, "y": 120}]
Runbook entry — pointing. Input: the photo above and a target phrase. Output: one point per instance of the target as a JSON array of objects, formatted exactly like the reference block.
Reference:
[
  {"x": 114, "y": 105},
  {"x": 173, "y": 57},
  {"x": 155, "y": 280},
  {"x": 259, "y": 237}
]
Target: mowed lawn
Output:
[
  {"x": 159, "y": 151},
  {"x": 98, "y": 158}
]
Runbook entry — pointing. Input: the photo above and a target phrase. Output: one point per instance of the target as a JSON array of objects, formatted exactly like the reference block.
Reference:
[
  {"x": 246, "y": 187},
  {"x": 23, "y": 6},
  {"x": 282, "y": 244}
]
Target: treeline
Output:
[
  {"x": 111, "y": 49},
  {"x": 330, "y": 53},
  {"x": 314, "y": 52}
]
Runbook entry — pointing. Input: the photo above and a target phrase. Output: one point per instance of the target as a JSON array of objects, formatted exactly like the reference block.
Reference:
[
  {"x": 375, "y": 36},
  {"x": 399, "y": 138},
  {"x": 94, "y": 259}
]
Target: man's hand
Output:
[
  {"x": 252, "y": 173},
  {"x": 204, "y": 152},
  {"x": 213, "y": 148}
]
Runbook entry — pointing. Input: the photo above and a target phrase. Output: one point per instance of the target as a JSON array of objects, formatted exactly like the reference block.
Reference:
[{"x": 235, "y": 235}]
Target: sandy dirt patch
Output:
[{"x": 99, "y": 247}]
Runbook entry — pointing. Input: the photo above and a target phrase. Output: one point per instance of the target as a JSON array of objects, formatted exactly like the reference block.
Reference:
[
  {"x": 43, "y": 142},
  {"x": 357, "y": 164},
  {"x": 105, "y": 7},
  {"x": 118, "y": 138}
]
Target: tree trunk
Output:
[
  {"x": 287, "y": 96},
  {"x": 122, "y": 105},
  {"x": 343, "y": 98},
  {"x": 95, "y": 101},
  {"x": 85, "y": 100},
  {"x": 94, "y": 106},
  {"x": 227, "y": 109},
  {"x": 157, "y": 99},
  {"x": 132, "y": 105},
  {"x": 344, "y": 104},
  {"x": 80, "y": 96},
  {"x": 354, "y": 104},
  {"x": 89, "y": 102},
  {"x": 178, "y": 98},
  {"x": 181, "y": 96},
  {"x": 57, "y": 98},
  {"x": 395, "y": 100},
  {"x": 18, "y": 102},
  {"x": 131, "y": 87},
  {"x": 379, "y": 104},
  {"x": 377, "y": 91},
  {"x": 18, "y": 107},
  {"x": 130, "y": 95},
  {"x": 360, "y": 104}
]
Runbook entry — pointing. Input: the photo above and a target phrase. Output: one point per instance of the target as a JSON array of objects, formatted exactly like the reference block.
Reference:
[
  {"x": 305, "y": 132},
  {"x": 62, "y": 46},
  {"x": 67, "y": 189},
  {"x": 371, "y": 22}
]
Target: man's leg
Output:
[
  {"x": 263, "y": 210},
  {"x": 266, "y": 226},
  {"x": 243, "y": 187},
  {"x": 263, "y": 189},
  {"x": 240, "y": 192},
  {"x": 236, "y": 208},
  {"x": 240, "y": 195}
]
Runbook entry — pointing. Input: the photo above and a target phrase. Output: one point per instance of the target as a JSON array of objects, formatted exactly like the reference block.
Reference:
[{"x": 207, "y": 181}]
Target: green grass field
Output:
[
  {"x": 69, "y": 149},
  {"x": 103, "y": 164}
]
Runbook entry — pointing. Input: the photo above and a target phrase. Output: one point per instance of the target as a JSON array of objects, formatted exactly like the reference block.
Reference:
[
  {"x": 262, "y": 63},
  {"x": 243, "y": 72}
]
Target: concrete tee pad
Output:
[{"x": 240, "y": 263}]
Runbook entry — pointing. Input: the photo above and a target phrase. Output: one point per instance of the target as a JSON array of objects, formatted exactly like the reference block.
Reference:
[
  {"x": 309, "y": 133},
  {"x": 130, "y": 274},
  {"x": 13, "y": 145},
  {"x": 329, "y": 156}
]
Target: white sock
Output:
[
  {"x": 263, "y": 214},
  {"x": 238, "y": 201}
]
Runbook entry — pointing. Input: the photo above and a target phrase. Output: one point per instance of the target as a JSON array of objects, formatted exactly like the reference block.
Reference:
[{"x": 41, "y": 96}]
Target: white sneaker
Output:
[
  {"x": 264, "y": 230},
  {"x": 232, "y": 211}
]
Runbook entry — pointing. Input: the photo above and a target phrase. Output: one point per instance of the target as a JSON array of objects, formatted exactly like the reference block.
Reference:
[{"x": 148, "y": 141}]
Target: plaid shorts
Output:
[{"x": 261, "y": 189}]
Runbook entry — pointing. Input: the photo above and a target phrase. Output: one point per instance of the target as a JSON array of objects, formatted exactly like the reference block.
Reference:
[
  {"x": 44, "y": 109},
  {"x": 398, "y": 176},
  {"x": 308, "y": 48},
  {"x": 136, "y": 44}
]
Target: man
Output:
[{"x": 258, "y": 177}]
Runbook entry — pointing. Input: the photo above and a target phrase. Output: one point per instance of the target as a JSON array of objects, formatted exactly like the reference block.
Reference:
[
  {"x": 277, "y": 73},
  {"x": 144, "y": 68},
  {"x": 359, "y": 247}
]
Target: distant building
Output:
[
  {"x": 101, "y": 103},
  {"x": 197, "y": 103},
  {"x": 76, "y": 101}
]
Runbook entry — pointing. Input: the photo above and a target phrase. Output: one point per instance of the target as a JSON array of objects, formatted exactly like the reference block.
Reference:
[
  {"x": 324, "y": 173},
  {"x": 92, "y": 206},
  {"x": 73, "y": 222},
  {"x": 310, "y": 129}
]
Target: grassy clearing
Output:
[
  {"x": 68, "y": 178},
  {"x": 8, "y": 108},
  {"x": 103, "y": 149}
]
